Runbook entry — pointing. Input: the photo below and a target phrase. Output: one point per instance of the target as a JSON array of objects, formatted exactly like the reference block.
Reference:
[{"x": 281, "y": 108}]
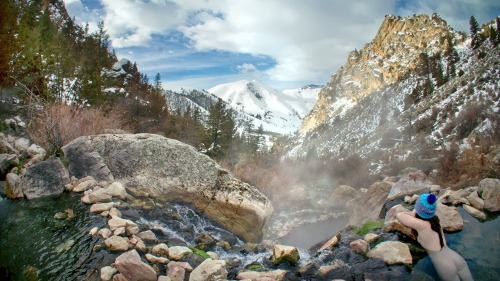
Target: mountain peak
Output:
[{"x": 394, "y": 53}]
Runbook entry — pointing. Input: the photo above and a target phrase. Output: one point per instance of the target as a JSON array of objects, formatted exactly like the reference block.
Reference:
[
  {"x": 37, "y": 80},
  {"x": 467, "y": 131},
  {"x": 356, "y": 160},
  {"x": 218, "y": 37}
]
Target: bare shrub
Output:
[{"x": 59, "y": 124}]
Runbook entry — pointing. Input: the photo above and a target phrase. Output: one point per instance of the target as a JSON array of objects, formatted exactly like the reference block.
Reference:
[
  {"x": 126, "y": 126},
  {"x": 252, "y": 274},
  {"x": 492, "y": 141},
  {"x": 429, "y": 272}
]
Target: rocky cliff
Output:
[
  {"x": 394, "y": 53},
  {"x": 412, "y": 93}
]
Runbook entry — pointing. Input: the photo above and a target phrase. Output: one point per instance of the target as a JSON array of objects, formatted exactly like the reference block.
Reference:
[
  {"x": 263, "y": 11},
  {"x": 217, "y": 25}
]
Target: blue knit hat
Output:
[{"x": 426, "y": 205}]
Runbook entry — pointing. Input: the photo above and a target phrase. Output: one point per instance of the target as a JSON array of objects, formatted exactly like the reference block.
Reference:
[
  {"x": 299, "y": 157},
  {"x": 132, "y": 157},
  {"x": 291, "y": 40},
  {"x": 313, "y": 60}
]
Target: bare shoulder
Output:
[{"x": 409, "y": 219}]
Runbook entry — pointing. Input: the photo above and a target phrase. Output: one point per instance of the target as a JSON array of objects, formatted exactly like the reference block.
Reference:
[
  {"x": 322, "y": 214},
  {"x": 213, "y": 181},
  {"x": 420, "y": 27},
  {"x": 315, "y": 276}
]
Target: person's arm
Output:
[{"x": 409, "y": 219}]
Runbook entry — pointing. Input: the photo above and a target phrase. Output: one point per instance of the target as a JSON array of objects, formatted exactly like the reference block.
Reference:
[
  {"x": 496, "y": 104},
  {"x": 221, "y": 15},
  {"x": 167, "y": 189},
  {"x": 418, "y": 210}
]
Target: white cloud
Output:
[
  {"x": 307, "y": 40},
  {"x": 246, "y": 68}
]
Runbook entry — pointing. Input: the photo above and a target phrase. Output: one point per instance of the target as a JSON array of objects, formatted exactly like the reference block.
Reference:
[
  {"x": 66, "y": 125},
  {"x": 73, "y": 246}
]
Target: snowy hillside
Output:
[
  {"x": 279, "y": 112},
  {"x": 427, "y": 107}
]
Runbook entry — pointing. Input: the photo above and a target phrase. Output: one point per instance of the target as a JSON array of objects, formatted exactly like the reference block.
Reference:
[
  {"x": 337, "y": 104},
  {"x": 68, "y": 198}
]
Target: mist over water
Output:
[{"x": 309, "y": 234}]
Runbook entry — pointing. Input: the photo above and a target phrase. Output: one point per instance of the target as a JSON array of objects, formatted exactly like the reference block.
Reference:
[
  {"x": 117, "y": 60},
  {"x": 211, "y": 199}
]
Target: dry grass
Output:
[{"x": 59, "y": 124}]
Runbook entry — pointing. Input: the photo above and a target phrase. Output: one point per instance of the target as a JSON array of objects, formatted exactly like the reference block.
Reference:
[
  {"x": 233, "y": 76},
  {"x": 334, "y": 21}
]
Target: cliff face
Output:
[
  {"x": 412, "y": 94},
  {"x": 398, "y": 49}
]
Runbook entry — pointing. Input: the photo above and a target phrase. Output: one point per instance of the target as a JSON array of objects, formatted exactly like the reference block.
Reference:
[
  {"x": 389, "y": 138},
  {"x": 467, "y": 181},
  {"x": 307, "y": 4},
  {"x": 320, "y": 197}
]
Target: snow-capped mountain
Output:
[{"x": 278, "y": 112}]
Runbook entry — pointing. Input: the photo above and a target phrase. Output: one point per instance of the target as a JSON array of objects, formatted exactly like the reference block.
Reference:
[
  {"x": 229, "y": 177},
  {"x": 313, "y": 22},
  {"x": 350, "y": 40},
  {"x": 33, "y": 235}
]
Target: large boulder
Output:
[
  {"x": 372, "y": 201},
  {"x": 45, "y": 178},
  {"x": 489, "y": 189},
  {"x": 415, "y": 182},
  {"x": 166, "y": 169}
]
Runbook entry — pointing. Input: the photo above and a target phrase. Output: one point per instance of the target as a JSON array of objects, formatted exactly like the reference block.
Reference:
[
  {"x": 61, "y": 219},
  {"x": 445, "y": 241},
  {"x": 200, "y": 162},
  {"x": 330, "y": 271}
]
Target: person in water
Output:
[{"x": 448, "y": 263}]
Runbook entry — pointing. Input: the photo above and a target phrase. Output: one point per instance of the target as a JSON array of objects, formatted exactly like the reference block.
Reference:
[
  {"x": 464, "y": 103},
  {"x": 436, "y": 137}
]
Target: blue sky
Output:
[{"x": 283, "y": 43}]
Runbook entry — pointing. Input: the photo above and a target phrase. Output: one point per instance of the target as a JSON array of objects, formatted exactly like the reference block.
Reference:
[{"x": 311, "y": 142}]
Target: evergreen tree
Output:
[
  {"x": 8, "y": 27},
  {"x": 157, "y": 84},
  {"x": 475, "y": 33},
  {"x": 221, "y": 129},
  {"x": 498, "y": 30}
]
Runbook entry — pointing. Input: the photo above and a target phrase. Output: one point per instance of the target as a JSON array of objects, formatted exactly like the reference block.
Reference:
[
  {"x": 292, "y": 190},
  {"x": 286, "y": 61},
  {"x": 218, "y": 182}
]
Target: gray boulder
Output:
[
  {"x": 415, "y": 182},
  {"x": 489, "y": 189},
  {"x": 46, "y": 178},
  {"x": 165, "y": 169}
]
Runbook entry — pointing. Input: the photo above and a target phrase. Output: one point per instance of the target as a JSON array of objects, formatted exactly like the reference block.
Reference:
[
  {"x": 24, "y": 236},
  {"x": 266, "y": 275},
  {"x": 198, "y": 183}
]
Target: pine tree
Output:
[
  {"x": 157, "y": 85},
  {"x": 221, "y": 129},
  {"x": 498, "y": 30},
  {"x": 475, "y": 34},
  {"x": 8, "y": 27},
  {"x": 493, "y": 35}
]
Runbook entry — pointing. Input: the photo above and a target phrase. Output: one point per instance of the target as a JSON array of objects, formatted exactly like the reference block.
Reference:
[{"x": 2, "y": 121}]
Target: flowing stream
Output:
[{"x": 31, "y": 238}]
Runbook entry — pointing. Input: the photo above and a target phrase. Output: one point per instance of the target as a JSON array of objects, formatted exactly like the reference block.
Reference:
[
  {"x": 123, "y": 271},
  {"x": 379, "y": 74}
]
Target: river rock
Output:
[
  {"x": 332, "y": 242},
  {"x": 371, "y": 203},
  {"x": 160, "y": 250},
  {"x": 475, "y": 201},
  {"x": 274, "y": 275},
  {"x": 117, "y": 222},
  {"x": 133, "y": 268},
  {"x": 85, "y": 185},
  {"x": 474, "y": 212},
  {"x": 35, "y": 150},
  {"x": 371, "y": 237},
  {"x": 392, "y": 252},
  {"x": 391, "y": 223},
  {"x": 22, "y": 144},
  {"x": 101, "y": 207},
  {"x": 105, "y": 232},
  {"x": 209, "y": 270},
  {"x": 14, "y": 187},
  {"x": 411, "y": 183},
  {"x": 489, "y": 189},
  {"x": 116, "y": 243},
  {"x": 360, "y": 246},
  {"x": 449, "y": 218},
  {"x": 177, "y": 252},
  {"x": 147, "y": 235},
  {"x": 166, "y": 169},
  {"x": 107, "y": 273},
  {"x": 119, "y": 277},
  {"x": 46, "y": 178},
  {"x": 155, "y": 259},
  {"x": 117, "y": 190},
  {"x": 177, "y": 270},
  {"x": 283, "y": 253}
]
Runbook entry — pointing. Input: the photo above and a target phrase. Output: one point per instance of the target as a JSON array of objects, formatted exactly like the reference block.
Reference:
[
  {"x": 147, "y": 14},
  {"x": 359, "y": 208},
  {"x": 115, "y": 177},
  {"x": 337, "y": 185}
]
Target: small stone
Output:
[
  {"x": 371, "y": 237},
  {"x": 282, "y": 253},
  {"x": 147, "y": 235},
  {"x": 177, "y": 252},
  {"x": 116, "y": 244},
  {"x": 105, "y": 233},
  {"x": 107, "y": 273},
  {"x": 119, "y": 231},
  {"x": 155, "y": 259},
  {"x": 93, "y": 231},
  {"x": 360, "y": 246},
  {"x": 160, "y": 250}
]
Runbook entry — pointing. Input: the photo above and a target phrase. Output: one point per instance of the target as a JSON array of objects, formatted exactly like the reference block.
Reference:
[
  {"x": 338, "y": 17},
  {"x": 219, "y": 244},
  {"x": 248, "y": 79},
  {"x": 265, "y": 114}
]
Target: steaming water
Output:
[
  {"x": 479, "y": 244},
  {"x": 62, "y": 249},
  {"x": 307, "y": 235}
]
